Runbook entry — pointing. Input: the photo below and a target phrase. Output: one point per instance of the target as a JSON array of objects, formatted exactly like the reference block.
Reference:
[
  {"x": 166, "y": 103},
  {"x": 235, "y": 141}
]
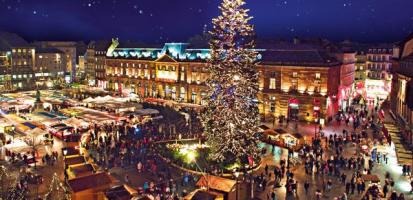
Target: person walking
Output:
[
  {"x": 306, "y": 186},
  {"x": 385, "y": 190}
]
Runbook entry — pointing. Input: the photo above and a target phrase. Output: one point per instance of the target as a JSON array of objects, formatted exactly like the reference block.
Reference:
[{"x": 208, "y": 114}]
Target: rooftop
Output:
[
  {"x": 280, "y": 54},
  {"x": 48, "y": 50},
  {"x": 11, "y": 40},
  {"x": 216, "y": 183},
  {"x": 91, "y": 181},
  {"x": 73, "y": 160},
  {"x": 119, "y": 192},
  {"x": 298, "y": 57}
]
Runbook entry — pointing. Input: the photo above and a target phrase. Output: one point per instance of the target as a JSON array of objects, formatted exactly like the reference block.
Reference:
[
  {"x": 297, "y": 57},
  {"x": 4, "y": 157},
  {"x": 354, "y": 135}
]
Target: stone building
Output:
[
  {"x": 402, "y": 88},
  {"x": 378, "y": 76},
  {"x": 49, "y": 68},
  {"x": 297, "y": 82},
  {"x": 16, "y": 63},
  {"x": 69, "y": 48}
]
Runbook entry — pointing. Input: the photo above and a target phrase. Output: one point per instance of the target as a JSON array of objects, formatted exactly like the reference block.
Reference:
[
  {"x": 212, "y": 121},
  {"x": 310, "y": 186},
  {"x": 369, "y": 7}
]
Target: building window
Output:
[
  {"x": 317, "y": 76},
  {"x": 272, "y": 106},
  {"x": 295, "y": 74},
  {"x": 294, "y": 84},
  {"x": 193, "y": 97},
  {"x": 182, "y": 76},
  {"x": 272, "y": 84}
]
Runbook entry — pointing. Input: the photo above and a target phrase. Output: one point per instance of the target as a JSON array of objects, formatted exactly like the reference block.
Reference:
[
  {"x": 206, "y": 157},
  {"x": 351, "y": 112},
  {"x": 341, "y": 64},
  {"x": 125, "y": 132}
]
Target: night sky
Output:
[{"x": 157, "y": 21}]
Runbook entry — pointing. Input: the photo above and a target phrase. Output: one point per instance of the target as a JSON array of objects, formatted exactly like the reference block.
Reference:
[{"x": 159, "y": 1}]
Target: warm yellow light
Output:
[
  {"x": 236, "y": 78},
  {"x": 191, "y": 156}
]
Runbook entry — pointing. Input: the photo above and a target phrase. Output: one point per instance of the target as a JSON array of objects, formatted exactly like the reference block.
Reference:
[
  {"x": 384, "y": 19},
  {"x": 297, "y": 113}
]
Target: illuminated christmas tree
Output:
[
  {"x": 57, "y": 190},
  {"x": 231, "y": 117}
]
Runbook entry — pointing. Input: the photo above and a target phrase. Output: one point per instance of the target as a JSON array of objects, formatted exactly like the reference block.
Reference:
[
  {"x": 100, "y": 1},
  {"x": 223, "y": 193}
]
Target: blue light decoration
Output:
[
  {"x": 137, "y": 131},
  {"x": 178, "y": 51}
]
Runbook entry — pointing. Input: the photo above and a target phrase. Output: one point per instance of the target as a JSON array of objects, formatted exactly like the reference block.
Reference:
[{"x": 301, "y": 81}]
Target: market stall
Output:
[
  {"x": 76, "y": 123},
  {"x": 91, "y": 115},
  {"x": 282, "y": 138}
]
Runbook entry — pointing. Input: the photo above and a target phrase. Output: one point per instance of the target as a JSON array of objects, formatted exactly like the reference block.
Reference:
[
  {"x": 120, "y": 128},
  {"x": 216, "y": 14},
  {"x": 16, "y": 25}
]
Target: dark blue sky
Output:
[{"x": 177, "y": 20}]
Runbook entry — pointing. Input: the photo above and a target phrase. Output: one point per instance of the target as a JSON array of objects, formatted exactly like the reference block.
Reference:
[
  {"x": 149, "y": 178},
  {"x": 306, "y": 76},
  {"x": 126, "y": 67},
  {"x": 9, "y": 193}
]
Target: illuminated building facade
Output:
[
  {"x": 49, "y": 68},
  {"x": 95, "y": 62},
  {"x": 16, "y": 62},
  {"x": 360, "y": 73},
  {"x": 295, "y": 83},
  {"x": 402, "y": 89},
  {"x": 69, "y": 48},
  {"x": 378, "y": 76}
]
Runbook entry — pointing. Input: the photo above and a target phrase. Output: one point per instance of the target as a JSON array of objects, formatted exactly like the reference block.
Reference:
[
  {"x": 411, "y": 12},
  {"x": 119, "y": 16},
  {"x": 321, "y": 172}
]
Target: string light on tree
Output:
[
  {"x": 231, "y": 117},
  {"x": 57, "y": 190}
]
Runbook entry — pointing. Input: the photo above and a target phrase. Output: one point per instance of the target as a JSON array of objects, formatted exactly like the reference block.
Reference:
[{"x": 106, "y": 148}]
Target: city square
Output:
[{"x": 237, "y": 112}]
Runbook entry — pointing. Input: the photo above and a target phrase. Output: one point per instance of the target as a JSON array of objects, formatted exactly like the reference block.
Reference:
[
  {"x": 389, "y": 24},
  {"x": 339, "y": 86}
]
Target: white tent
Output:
[
  {"x": 147, "y": 111},
  {"x": 36, "y": 132},
  {"x": 88, "y": 100},
  {"x": 107, "y": 98},
  {"x": 76, "y": 122},
  {"x": 17, "y": 146}
]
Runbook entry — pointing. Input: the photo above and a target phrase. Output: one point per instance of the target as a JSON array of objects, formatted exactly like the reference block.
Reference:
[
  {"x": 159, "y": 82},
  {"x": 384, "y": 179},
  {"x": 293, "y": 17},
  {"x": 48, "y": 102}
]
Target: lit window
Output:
[
  {"x": 272, "y": 83},
  {"x": 294, "y": 84},
  {"x": 317, "y": 75},
  {"x": 272, "y": 106},
  {"x": 40, "y": 56},
  {"x": 295, "y": 74}
]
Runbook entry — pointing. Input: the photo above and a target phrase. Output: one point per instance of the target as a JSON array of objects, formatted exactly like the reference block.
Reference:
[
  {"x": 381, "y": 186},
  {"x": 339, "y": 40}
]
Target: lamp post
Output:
[{"x": 236, "y": 174}]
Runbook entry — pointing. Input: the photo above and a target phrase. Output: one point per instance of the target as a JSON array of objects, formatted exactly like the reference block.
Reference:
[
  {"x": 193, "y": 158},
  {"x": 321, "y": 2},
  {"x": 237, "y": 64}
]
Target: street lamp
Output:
[{"x": 236, "y": 174}]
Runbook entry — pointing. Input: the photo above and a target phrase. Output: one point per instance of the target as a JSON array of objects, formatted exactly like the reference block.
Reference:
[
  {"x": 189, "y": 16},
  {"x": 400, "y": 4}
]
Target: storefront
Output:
[
  {"x": 377, "y": 91},
  {"x": 293, "y": 109}
]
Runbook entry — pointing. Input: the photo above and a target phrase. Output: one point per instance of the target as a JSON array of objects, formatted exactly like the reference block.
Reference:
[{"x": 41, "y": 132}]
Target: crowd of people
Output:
[
  {"x": 127, "y": 144},
  {"x": 325, "y": 159}
]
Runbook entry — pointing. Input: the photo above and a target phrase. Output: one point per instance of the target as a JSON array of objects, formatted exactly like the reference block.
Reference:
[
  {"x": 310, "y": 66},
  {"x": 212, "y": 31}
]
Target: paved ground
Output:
[{"x": 271, "y": 159}]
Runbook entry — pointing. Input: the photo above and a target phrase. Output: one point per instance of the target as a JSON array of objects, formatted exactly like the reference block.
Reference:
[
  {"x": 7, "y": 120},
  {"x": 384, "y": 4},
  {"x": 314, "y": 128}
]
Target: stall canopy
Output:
[
  {"x": 17, "y": 146},
  {"x": 216, "y": 183},
  {"x": 36, "y": 132},
  {"x": 88, "y": 100},
  {"x": 75, "y": 122},
  {"x": 147, "y": 111},
  {"x": 98, "y": 180},
  {"x": 121, "y": 192}
]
